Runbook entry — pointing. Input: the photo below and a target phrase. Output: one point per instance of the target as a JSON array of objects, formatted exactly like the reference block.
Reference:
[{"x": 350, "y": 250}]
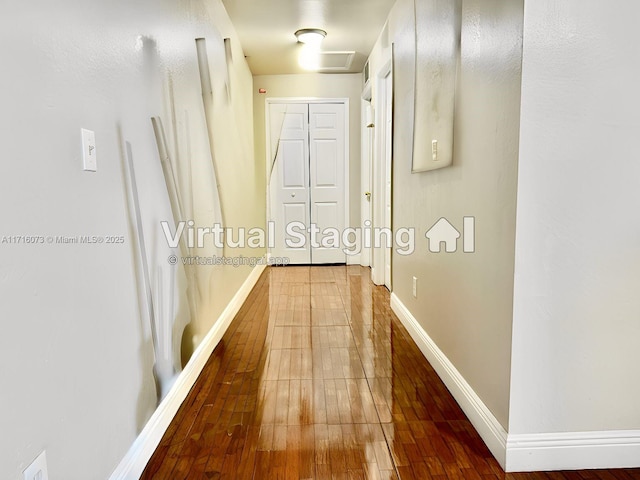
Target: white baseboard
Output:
[
  {"x": 365, "y": 257},
  {"x": 353, "y": 259},
  {"x": 136, "y": 459},
  {"x": 491, "y": 431},
  {"x": 525, "y": 453},
  {"x": 572, "y": 451}
]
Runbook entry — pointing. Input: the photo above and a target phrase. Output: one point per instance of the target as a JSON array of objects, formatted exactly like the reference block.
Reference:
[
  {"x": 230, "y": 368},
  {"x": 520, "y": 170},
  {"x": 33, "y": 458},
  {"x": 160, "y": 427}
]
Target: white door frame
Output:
[
  {"x": 380, "y": 166},
  {"x": 366, "y": 163},
  {"x": 269, "y": 160}
]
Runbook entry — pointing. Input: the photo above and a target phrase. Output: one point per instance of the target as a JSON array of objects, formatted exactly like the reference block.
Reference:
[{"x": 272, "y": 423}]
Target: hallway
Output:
[{"x": 317, "y": 378}]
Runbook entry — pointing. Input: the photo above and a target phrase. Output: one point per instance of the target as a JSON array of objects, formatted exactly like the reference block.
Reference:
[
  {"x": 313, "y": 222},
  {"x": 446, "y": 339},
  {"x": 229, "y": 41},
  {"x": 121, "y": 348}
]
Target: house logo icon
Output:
[{"x": 443, "y": 232}]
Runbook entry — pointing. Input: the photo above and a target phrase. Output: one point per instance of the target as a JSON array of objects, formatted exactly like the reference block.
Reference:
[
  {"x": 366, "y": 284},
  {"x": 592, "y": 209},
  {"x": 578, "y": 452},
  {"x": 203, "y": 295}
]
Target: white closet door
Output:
[
  {"x": 289, "y": 182},
  {"x": 327, "y": 180}
]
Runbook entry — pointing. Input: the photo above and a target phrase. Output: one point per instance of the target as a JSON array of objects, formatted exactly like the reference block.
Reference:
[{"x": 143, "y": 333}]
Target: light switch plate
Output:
[
  {"x": 89, "y": 160},
  {"x": 38, "y": 469}
]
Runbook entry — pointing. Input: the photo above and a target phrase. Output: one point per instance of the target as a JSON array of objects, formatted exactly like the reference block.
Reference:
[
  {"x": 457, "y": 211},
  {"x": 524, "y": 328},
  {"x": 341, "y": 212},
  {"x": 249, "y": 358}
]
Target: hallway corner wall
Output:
[{"x": 577, "y": 264}]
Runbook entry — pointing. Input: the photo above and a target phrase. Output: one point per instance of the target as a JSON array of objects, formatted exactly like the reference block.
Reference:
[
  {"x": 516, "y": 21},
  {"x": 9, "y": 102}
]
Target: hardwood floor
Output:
[{"x": 317, "y": 378}]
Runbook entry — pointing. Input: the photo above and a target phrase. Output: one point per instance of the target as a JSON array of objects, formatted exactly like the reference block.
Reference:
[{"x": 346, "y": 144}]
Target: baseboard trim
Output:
[
  {"x": 490, "y": 430},
  {"x": 573, "y": 451},
  {"x": 353, "y": 259},
  {"x": 525, "y": 452},
  {"x": 136, "y": 459}
]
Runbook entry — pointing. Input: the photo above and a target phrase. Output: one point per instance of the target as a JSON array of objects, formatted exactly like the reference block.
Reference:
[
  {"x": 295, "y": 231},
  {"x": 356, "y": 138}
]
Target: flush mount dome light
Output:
[
  {"x": 311, "y": 36},
  {"x": 311, "y": 40}
]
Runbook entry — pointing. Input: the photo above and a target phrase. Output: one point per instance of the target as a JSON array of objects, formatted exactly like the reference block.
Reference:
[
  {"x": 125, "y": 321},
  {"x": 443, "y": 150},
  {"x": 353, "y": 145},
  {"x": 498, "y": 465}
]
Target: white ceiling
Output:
[{"x": 266, "y": 29}]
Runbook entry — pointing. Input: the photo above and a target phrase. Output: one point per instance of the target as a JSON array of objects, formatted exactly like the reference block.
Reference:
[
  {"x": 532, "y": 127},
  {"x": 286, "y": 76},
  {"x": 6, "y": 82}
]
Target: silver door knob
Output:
[{"x": 293, "y": 194}]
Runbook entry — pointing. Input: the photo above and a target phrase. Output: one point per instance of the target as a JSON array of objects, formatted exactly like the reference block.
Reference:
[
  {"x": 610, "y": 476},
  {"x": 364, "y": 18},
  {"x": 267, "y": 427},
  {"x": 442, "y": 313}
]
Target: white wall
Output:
[
  {"x": 576, "y": 305},
  {"x": 464, "y": 301},
  {"x": 321, "y": 86},
  {"x": 75, "y": 356}
]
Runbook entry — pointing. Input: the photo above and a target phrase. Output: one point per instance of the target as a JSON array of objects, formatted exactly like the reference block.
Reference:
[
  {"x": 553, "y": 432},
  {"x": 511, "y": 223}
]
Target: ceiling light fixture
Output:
[
  {"x": 311, "y": 40},
  {"x": 310, "y": 36}
]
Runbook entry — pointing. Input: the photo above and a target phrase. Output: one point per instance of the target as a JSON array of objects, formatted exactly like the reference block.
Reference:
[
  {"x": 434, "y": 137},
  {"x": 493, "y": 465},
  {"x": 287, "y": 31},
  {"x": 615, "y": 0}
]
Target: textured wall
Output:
[{"x": 75, "y": 350}]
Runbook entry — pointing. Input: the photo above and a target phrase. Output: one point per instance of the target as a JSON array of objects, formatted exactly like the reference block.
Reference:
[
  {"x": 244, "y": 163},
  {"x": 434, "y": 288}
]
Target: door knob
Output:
[{"x": 293, "y": 194}]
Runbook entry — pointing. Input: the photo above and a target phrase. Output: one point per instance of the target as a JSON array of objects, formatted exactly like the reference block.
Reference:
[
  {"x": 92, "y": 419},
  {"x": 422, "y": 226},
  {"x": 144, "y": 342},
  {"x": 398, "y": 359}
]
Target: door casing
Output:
[
  {"x": 382, "y": 174},
  {"x": 366, "y": 164}
]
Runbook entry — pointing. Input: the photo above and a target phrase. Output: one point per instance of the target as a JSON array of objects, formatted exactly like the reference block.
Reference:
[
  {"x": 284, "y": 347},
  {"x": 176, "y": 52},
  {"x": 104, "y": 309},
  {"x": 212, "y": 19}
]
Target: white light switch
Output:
[
  {"x": 38, "y": 469},
  {"x": 89, "y": 150}
]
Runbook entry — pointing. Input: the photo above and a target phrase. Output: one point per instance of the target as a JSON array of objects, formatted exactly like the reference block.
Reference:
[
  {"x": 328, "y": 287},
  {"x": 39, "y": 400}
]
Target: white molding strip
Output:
[
  {"x": 354, "y": 259},
  {"x": 136, "y": 459},
  {"x": 491, "y": 431},
  {"x": 572, "y": 451}
]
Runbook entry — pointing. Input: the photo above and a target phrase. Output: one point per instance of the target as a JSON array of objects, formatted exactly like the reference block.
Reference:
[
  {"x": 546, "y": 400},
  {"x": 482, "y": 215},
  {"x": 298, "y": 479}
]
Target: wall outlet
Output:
[
  {"x": 38, "y": 469},
  {"x": 434, "y": 150},
  {"x": 415, "y": 287}
]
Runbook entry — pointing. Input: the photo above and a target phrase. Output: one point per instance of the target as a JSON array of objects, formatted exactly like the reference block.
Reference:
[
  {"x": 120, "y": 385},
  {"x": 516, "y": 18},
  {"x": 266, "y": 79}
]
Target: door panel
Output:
[
  {"x": 296, "y": 214},
  {"x": 295, "y": 121},
  {"x": 325, "y": 121},
  {"x": 327, "y": 195},
  {"x": 326, "y": 214},
  {"x": 294, "y": 173},
  {"x": 289, "y": 181},
  {"x": 326, "y": 170},
  {"x": 307, "y": 183}
]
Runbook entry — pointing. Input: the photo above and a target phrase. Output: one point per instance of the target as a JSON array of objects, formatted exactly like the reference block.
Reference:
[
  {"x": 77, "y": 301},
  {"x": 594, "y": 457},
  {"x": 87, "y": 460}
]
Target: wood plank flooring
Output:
[{"x": 317, "y": 378}]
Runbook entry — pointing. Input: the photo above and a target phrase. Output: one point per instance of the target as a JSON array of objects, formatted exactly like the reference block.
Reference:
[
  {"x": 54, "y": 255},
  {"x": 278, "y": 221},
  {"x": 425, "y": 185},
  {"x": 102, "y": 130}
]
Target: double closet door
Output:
[{"x": 307, "y": 188}]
